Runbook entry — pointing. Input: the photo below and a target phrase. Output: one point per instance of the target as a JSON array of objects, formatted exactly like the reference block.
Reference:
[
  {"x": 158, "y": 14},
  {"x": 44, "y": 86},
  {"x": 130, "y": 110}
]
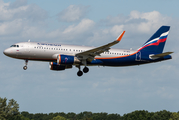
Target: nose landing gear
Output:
[{"x": 25, "y": 67}]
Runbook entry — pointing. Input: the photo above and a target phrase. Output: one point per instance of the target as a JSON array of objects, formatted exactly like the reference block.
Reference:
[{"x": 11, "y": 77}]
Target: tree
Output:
[
  {"x": 113, "y": 117},
  {"x": 137, "y": 115},
  {"x": 9, "y": 111},
  {"x": 174, "y": 116},
  {"x": 58, "y": 118},
  {"x": 161, "y": 115},
  {"x": 24, "y": 118},
  {"x": 71, "y": 115}
]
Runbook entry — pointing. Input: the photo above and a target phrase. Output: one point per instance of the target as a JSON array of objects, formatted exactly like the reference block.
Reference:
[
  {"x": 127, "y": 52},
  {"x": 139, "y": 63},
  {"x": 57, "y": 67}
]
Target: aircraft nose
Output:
[{"x": 6, "y": 52}]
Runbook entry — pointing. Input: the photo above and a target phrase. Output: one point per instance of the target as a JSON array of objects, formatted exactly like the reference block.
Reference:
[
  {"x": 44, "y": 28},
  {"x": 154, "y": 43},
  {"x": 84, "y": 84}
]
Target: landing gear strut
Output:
[
  {"x": 85, "y": 69},
  {"x": 25, "y": 67}
]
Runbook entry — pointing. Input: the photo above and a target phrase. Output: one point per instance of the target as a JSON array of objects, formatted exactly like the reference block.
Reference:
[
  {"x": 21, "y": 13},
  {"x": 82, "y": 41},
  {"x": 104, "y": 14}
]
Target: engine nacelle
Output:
[
  {"x": 55, "y": 66},
  {"x": 66, "y": 60}
]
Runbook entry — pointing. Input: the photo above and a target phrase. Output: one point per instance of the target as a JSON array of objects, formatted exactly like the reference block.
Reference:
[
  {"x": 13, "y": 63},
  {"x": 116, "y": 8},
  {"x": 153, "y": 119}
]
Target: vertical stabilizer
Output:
[{"x": 157, "y": 42}]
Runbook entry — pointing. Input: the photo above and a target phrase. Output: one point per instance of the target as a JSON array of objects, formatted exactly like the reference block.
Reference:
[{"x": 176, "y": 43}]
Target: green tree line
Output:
[{"x": 10, "y": 111}]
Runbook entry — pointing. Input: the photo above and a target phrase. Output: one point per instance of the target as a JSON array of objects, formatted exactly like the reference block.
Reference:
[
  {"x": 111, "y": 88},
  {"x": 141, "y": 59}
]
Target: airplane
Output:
[{"x": 61, "y": 57}]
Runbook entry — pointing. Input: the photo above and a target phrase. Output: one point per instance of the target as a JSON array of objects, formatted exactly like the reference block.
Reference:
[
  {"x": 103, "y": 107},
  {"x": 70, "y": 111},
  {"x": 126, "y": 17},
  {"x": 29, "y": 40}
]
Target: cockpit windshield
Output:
[{"x": 14, "y": 45}]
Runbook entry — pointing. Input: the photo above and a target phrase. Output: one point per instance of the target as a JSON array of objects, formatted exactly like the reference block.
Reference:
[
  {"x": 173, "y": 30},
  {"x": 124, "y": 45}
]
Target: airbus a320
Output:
[{"x": 61, "y": 57}]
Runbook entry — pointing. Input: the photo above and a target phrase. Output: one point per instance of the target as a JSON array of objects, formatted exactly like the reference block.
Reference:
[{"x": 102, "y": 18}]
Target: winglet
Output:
[{"x": 120, "y": 36}]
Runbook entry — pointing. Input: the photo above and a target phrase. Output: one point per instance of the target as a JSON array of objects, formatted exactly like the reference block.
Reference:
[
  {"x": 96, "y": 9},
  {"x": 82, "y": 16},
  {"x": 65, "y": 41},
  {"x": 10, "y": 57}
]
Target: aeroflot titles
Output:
[{"x": 48, "y": 44}]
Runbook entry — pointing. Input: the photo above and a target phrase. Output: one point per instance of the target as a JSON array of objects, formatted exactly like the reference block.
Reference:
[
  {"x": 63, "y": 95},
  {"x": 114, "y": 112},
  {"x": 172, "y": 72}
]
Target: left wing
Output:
[{"x": 90, "y": 54}]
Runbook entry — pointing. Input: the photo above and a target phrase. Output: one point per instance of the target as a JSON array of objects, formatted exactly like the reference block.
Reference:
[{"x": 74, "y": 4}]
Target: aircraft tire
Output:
[
  {"x": 25, "y": 67},
  {"x": 85, "y": 69},
  {"x": 79, "y": 73}
]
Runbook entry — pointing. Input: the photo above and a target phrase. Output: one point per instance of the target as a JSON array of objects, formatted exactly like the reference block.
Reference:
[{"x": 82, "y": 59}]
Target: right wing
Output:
[{"x": 90, "y": 54}]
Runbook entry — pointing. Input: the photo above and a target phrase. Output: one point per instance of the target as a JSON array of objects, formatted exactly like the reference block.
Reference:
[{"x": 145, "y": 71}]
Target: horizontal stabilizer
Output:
[{"x": 156, "y": 56}]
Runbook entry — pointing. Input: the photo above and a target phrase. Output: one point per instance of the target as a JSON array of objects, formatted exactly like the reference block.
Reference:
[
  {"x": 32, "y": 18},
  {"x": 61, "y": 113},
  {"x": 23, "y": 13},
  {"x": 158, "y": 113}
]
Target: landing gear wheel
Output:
[
  {"x": 25, "y": 67},
  {"x": 79, "y": 73},
  {"x": 85, "y": 69}
]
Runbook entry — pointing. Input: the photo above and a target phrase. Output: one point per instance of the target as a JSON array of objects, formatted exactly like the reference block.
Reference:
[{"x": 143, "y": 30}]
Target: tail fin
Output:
[{"x": 157, "y": 42}]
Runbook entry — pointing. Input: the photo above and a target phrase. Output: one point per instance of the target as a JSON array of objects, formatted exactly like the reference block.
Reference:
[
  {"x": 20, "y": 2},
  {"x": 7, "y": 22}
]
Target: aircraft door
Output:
[
  {"x": 138, "y": 56},
  {"x": 28, "y": 47}
]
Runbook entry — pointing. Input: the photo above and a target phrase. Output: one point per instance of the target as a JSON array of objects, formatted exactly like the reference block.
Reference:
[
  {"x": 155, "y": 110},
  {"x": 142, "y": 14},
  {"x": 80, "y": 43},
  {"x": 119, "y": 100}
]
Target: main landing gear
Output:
[
  {"x": 25, "y": 67},
  {"x": 85, "y": 70}
]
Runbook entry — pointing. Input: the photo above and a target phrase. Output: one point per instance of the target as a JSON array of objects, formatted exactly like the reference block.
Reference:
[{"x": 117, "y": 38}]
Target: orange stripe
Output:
[
  {"x": 59, "y": 59},
  {"x": 51, "y": 65}
]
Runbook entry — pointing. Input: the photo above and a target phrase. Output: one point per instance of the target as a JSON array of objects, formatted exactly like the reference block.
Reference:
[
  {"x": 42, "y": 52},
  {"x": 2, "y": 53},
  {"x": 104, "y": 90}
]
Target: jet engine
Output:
[
  {"x": 57, "y": 67},
  {"x": 67, "y": 60}
]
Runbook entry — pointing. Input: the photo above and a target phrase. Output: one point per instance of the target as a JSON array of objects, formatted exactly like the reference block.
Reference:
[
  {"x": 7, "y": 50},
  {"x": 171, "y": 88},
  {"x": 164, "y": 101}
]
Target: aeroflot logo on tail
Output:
[{"x": 48, "y": 44}]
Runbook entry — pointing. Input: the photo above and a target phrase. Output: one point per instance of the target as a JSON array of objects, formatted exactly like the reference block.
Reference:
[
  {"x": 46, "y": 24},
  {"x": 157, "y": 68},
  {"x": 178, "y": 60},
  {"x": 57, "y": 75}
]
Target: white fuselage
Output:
[{"x": 49, "y": 52}]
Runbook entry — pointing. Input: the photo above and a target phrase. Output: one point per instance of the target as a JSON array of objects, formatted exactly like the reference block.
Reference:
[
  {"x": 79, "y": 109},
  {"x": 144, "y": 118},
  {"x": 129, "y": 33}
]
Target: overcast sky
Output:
[{"x": 121, "y": 90}]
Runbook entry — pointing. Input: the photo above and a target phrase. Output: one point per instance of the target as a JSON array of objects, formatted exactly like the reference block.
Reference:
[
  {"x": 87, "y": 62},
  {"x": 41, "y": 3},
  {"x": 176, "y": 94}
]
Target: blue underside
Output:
[{"x": 127, "y": 61}]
